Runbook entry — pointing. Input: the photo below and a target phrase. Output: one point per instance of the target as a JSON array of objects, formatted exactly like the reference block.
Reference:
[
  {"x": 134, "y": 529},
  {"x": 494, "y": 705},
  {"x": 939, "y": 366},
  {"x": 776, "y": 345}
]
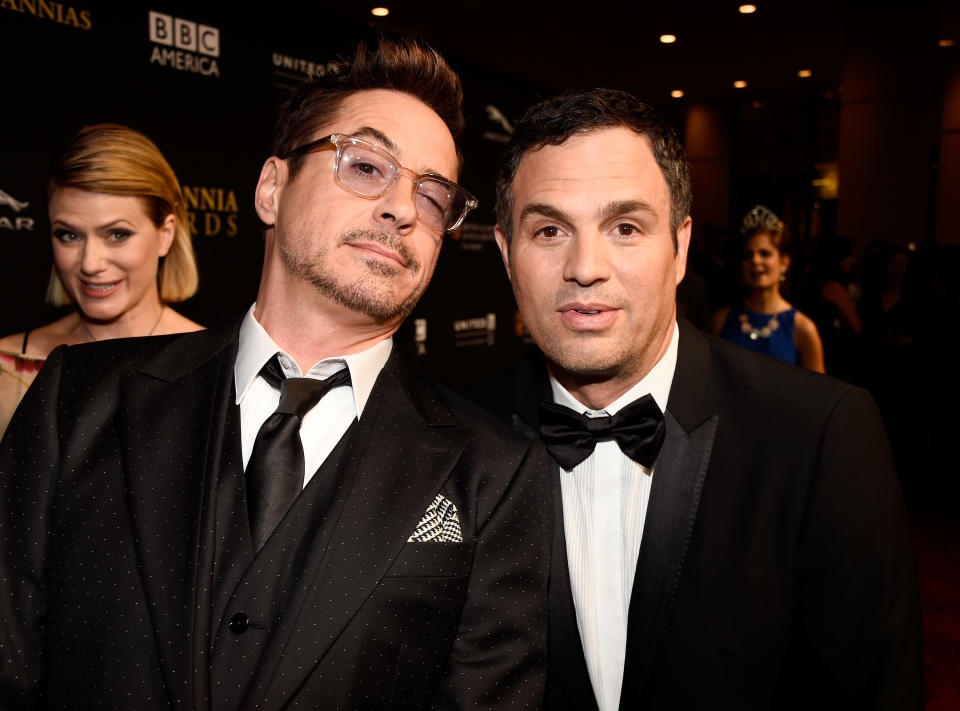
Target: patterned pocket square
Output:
[{"x": 440, "y": 523}]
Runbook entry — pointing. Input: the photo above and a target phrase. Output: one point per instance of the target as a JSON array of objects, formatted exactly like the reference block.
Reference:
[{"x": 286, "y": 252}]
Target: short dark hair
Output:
[
  {"x": 554, "y": 120},
  {"x": 405, "y": 65}
]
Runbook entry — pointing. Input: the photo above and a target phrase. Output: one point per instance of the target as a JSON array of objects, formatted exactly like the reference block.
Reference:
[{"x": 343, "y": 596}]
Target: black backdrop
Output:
[{"x": 203, "y": 81}]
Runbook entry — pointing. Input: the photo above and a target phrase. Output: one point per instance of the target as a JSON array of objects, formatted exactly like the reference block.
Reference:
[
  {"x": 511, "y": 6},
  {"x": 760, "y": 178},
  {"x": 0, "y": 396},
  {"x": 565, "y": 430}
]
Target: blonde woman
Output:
[{"x": 121, "y": 252}]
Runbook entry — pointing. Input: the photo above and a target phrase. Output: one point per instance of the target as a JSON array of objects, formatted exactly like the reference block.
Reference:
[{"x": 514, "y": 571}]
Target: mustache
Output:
[{"x": 392, "y": 242}]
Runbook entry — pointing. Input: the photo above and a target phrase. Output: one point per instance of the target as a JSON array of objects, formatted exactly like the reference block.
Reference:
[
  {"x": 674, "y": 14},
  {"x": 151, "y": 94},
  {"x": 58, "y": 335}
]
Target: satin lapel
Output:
[
  {"x": 678, "y": 477},
  {"x": 167, "y": 416},
  {"x": 406, "y": 446}
]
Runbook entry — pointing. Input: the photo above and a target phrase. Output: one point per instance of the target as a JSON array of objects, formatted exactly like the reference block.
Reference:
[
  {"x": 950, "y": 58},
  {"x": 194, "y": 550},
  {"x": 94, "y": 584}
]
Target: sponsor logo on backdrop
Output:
[
  {"x": 478, "y": 331},
  {"x": 297, "y": 70},
  {"x": 184, "y": 45},
  {"x": 212, "y": 212},
  {"x": 500, "y": 129},
  {"x": 420, "y": 335},
  {"x": 15, "y": 222},
  {"x": 53, "y": 11},
  {"x": 472, "y": 236}
]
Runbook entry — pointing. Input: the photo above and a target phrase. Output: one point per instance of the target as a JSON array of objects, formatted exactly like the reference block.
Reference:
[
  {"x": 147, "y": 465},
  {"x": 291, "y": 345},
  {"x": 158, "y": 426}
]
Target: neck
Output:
[
  {"x": 599, "y": 389},
  {"x": 765, "y": 301},
  {"x": 309, "y": 327},
  {"x": 142, "y": 320}
]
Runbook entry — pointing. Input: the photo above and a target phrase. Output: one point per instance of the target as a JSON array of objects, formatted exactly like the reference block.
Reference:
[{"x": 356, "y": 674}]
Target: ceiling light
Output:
[
  {"x": 946, "y": 42},
  {"x": 677, "y": 93},
  {"x": 757, "y": 104},
  {"x": 668, "y": 39},
  {"x": 804, "y": 73},
  {"x": 380, "y": 11},
  {"x": 747, "y": 9},
  {"x": 739, "y": 84}
]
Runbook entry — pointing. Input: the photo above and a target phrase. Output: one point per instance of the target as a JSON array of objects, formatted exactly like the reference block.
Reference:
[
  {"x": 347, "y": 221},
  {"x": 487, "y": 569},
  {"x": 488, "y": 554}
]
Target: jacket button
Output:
[{"x": 238, "y": 623}]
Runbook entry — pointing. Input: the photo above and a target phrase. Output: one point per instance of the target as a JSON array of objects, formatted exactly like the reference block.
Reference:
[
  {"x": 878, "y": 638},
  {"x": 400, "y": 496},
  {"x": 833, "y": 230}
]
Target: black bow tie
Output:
[{"x": 571, "y": 437}]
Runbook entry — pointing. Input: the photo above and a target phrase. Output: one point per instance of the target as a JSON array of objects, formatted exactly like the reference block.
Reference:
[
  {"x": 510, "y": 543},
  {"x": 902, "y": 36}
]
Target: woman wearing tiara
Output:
[{"x": 765, "y": 321}]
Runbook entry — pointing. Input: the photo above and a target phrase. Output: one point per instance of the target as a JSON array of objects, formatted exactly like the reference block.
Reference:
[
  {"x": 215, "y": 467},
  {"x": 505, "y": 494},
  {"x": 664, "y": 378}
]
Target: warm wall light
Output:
[
  {"x": 380, "y": 11},
  {"x": 804, "y": 73},
  {"x": 747, "y": 9},
  {"x": 739, "y": 84},
  {"x": 945, "y": 42},
  {"x": 677, "y": 93},
  {"x": 668, "y": 39}
]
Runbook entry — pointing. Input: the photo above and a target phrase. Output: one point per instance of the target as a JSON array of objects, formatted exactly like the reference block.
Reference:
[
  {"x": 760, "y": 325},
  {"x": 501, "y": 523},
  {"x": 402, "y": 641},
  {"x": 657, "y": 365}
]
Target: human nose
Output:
[
  {"x": 396, "y": 209},
  {"x": 586, "y": 260},
  {"x": 94, "y": 256}
]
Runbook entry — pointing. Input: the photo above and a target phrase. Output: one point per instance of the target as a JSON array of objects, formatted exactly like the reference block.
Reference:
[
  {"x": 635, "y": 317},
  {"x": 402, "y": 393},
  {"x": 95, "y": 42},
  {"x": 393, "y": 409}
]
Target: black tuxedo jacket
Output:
[
  {"x": 776, "y": 569},
  {"x": 115, "y": 507}
]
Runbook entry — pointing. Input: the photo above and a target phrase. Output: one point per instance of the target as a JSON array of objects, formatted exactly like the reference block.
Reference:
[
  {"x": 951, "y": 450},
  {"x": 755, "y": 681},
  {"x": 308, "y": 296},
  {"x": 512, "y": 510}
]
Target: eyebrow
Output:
[
  {"x": 626, "y": 207},
  {"x": 383, "y": 139},
  {"x": 544, "y": 210}
]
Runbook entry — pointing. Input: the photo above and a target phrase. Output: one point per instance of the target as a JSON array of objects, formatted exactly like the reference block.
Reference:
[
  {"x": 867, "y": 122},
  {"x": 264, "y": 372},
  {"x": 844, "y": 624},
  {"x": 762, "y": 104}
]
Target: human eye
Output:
[
  {"x": 626, "y": 229},
  {"x": 118, "y": 234},
  {"x": 547, "y": 232},
  {"x": 66, "y": 236},
  {"x": 362, "y": 165},
  {"x": 433, "y": 198}
]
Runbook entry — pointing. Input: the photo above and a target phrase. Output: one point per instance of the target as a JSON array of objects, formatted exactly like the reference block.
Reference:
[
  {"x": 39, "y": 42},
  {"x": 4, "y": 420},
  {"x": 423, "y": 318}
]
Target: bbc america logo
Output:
[{"x": 184, "y": 44}]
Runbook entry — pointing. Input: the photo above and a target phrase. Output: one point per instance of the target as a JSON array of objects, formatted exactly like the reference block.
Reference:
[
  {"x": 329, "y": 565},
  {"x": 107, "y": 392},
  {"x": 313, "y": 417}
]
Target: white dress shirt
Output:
[
  {"x": 329, "y": 419},
  {"x": 604, "y": 506}
]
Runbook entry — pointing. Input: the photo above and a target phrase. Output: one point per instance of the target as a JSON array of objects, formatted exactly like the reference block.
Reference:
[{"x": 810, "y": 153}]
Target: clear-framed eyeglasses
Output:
[{"x": 367, "y": 170}]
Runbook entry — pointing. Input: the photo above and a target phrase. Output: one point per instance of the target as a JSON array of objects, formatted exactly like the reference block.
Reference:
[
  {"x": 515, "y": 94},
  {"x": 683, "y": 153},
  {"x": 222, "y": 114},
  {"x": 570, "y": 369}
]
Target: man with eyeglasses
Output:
[{"x": 283, "y": 514}]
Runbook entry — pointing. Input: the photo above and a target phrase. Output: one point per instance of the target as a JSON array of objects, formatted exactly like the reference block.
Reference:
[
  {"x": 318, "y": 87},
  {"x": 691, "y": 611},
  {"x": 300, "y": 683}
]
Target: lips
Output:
[
  {"x": 587, "y": 315},
  {"x": 381, "y": 251},
  {"x": 99, "y": 290}
]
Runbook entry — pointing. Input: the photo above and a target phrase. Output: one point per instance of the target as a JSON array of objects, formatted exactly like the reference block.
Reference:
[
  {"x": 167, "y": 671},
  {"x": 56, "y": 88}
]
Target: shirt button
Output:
[{"x": 238, "y": 623}]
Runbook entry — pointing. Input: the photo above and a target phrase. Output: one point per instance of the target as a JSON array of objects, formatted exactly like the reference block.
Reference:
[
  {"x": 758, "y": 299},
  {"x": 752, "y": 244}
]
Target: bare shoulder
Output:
[
  {"x": 805, "y": 326},
  {"x": 42, "y": 340},
  {"x": 720, "y": 318},
  {"x": 174, "y": 322}
]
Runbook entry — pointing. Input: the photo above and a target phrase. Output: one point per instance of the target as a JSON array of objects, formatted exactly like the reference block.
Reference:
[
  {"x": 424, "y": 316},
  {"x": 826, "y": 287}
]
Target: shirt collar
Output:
[
  {"x": 256, "y": 348},
  {"x": 656, "y": 383}
]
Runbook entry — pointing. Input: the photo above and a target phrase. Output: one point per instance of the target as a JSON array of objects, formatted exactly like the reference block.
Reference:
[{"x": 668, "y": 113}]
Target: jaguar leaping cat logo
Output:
[
  {"x": 495, "y": 115},
  {"x": 10, "y": 201}
]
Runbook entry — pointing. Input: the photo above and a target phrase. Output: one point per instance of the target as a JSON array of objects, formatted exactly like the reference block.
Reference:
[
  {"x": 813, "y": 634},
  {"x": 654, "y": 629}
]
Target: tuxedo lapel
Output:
[
  {"x": 171, "y": 415},
  {"x": 407, "y": 443},
  {"x": 678, "y": 477}
]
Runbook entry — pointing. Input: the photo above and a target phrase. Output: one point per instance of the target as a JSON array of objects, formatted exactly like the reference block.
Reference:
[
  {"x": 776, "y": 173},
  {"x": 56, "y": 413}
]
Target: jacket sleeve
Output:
[
  {"x": 498, "y": 660},
  {"x": 29, "y": 455},
  {"x": 858, "y": 620}
]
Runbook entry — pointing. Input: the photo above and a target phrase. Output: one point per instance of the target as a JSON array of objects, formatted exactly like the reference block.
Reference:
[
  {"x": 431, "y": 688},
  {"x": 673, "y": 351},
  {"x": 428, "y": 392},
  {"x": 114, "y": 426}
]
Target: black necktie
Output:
[
  {"x": 571, "y": 437},
  {"x": 275, "y": 471}
]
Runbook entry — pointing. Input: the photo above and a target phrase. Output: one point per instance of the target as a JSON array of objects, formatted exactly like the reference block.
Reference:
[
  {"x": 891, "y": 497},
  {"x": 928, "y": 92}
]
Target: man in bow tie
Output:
[
  {"x": 282, "y": 513},
  {"x": 728, "y": 530}
]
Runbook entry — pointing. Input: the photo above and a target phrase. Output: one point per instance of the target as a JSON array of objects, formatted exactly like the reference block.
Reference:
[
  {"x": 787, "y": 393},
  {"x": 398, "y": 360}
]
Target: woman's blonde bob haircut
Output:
[{"x": 114, "y": 159}]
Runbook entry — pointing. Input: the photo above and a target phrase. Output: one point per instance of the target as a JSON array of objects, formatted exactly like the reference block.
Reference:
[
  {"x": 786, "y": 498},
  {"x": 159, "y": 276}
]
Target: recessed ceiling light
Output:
[
  {"x": 747, "y": 9},
  {"x": 668, "y": 39},
  {"x": 677, "y": 93},
  {"x": 739, "y": 84},
  {"x": 945, "y": 42},
  {"x": 804, "y": 73},
  {"x": 380, "y": 11}
]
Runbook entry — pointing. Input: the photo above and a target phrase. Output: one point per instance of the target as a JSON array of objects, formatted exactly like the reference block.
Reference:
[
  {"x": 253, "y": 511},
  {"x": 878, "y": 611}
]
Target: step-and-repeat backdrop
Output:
[{"x": 203, "y": 81}]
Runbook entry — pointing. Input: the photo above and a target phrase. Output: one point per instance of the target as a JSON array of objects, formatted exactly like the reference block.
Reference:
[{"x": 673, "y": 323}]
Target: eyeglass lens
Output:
[{"x": 371, "y": 173}]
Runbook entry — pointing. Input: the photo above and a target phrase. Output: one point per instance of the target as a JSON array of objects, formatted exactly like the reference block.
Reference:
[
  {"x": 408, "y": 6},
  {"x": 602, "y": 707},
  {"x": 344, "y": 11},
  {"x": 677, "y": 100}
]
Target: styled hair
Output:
[
  {"x": 114, "y": 159},
  {"x": 763, "y": 220},
  {"x": 554, "y": 120},
  {"x": 404, "y": 65}
]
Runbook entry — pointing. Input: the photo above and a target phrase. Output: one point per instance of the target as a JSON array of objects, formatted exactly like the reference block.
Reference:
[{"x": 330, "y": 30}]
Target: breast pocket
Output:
[{"x": 433, "y": 559}]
